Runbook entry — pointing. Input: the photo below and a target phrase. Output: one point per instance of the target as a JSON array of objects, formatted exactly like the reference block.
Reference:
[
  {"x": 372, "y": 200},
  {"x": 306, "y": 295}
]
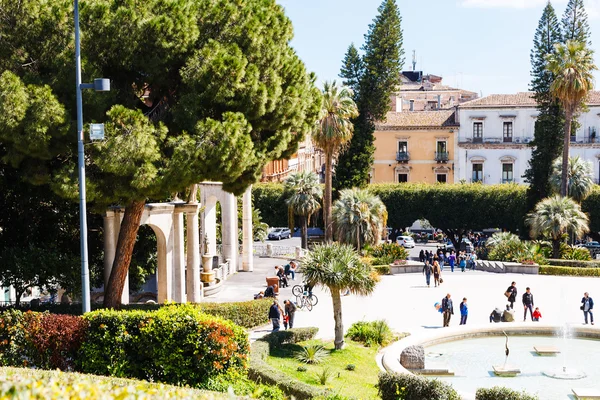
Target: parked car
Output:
[
  {"x": 406, "y": 241},
  {"x": 592, "y": 245},
  {"x": 279, "y": 233},
  {"x": 465, "y": 245}
]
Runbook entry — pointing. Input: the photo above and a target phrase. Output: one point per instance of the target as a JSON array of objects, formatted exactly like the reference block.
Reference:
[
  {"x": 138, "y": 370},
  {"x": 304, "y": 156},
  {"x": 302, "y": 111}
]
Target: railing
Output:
[
  {"x": 507, "y": 139},
  {"x": 441, "y": 156},
  {"x": 584, "y": 140},
  {"x": 508, "y": 180},
  {"x": 402, "y": 156},
  {"x": 517, "y": 140},
  {"x": 475, "y": 139}
]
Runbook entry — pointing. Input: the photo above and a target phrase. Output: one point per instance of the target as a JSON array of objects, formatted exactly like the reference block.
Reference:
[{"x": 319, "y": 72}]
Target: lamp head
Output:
[{"x": 102, "y": 85}]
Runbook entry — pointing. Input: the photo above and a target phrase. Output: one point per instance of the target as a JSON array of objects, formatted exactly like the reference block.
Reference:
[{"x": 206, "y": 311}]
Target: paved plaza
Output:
[{"x": 407, "y": 304}]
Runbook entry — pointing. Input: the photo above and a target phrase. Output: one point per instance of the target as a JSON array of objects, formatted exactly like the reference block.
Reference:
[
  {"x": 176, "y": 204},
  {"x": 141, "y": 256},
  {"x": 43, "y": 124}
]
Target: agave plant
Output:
[{"x": 312, "y": 354}]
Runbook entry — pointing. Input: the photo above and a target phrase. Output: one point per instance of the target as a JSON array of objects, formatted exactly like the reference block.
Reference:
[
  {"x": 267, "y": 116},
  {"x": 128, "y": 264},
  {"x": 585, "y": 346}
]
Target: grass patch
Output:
[{"x": 358, "y": 383}]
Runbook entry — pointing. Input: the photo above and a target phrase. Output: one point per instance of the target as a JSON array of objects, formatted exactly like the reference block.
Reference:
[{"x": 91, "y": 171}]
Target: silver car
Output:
[{"x": 279, "y": 233}]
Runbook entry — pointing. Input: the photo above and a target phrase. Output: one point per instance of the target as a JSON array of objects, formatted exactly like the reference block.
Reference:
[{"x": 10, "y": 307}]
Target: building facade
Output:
[
  {"x": 415, "y": 147},
  {"x": 495, "y": 131},
  {"x": 307, "y": 158}
]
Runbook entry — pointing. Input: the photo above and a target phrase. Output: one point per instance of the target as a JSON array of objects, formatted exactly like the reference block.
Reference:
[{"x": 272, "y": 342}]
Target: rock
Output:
[{"x": 413, "y": 357}]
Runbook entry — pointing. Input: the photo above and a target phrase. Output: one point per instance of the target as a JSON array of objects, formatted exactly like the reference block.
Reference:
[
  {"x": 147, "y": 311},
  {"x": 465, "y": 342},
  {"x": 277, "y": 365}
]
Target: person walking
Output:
[
  {"x": 427, "y": 272},
  {"x": 464, "y": 311},
  {"x": 527, "y": 304},
  {"x": 290, "y": 312},
  {"x": 463, "y": 262},
  {"x": 473, "y": 260},
  {"x": 422, "y": 256},
  {"x": 511, "y": 294},
  {"x": 275, "y": 315},
  {"x": 587, "y": 304},
  {"x": 447, "y": 309},
  {"x": 437, "y": 273},
  {"x": 452, "y": 260}
]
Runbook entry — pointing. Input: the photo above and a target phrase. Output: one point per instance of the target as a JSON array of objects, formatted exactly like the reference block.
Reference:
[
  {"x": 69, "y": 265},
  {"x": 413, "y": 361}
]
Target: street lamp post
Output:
[{"x": 99, "y": 85}]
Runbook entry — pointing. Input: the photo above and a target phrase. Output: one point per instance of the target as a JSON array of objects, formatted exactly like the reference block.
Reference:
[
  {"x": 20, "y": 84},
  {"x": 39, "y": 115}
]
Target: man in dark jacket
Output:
[
  {"x": 448, "y": 309},
  {"x": 275, "y": 315},
  {"x": 527, "y": 304},
  {"x": 587, "y": 304},
  {"x": 427, "y": 272},
  {"x": 511, "y": 294},
  {"x": 290, "y": 311}
]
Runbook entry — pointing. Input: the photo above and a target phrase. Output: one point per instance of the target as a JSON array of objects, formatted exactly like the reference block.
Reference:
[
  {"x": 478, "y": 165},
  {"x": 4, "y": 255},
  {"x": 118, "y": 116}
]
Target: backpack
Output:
[{"x": 269, "y": 292}]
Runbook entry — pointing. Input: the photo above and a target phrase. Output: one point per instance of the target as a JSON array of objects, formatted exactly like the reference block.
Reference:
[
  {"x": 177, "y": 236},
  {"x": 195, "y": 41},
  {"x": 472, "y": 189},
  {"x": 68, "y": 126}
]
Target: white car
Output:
[{"x": 406, "y": 241}]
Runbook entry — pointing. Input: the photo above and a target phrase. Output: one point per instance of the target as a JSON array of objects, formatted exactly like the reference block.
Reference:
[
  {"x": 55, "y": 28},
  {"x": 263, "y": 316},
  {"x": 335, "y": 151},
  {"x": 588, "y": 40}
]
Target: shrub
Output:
[
  {"x": 295, "y": 335},
  {"x": 240, "y": 385},
  {"x": 324, "y": 376},
  {"x": 301, "y": 368},
  {"x": 350, "y": 367},
  {"x": 371, "y": 333},
  {"x": 176, "y": 344},
  {"x": 574, "y": 263},
  {"x": 576, "y": 253},
  {"x": 413, "y": 387},
  {"x": 566, "y": 271},
  {"x": 502, "y": 393},
  {"x": 387, "y": 253},
  {"x": 38, "y": 384},
  {"x": 248, "y": 314},
  {"x": 382, "y": 269},
  {"x": 312, "y": 354}
]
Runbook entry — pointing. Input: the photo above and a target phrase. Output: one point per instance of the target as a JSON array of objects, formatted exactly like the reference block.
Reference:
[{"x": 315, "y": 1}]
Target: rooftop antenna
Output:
[{"x": 414, "y": 60}]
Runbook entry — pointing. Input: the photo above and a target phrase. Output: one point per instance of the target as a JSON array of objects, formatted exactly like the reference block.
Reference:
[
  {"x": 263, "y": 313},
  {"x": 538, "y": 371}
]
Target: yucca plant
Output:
[
  {"x": 312, "y": 354},
  {"x": 324, "y": 376}
]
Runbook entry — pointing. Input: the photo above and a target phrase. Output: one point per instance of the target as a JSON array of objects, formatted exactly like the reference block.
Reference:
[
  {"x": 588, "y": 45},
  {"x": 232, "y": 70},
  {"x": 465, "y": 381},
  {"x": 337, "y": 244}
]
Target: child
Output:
[
  {"x": 537, "y": 314},
  {"x": 464, "y": 311}
]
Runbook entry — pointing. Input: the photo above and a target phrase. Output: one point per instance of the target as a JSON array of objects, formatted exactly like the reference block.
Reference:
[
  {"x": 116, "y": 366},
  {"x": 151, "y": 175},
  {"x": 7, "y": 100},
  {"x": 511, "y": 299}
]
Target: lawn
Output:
[{"x": 357, "y": 384}]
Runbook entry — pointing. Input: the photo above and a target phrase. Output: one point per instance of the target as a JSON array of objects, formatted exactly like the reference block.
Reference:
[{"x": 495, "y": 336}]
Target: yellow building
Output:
[{"x": 415, "y": 147}]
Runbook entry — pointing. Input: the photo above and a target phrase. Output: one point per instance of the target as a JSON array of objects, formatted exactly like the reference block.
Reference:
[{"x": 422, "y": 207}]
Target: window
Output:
[
  {"x": 403, "y": 147},
  {"x": 507, "y": 173},
  {"x": 441, "y": 178},
  {"x": 441, "y": 146},
  {"x": 477, "y": 131},
  {"x": 402, "y": 178},
  {"x": 507, "y": 132},
  {"x": 477, "y": 173},
  {"x": 441, "y": 151},
  {"x": 412, "y": 105}
]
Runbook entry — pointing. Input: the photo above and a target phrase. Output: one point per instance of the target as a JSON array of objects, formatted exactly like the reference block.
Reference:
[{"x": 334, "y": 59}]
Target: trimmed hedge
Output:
[
  {"x": 573, "y": 263},
  {"x": 502, "y": 393},
  {"x": 262, "y": 372},
  {"x": 37, "y": 384},
  {"x": 413, "y": 387},
  {"x": 248, "y": 314},
  {"x": 567, "y": 271},
  {"x": 177, "y": 344}
]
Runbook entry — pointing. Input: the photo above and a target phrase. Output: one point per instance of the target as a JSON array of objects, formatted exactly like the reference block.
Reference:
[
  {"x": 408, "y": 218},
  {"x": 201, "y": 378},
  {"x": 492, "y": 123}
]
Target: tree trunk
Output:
[
  {"x": 337, "y": 317},
  {"x": 304, "y": 231},
  {"x": 564, "y": 181},
  {"x": 18, "y": 296},
  {"x": 556, "y": 248},
  {"x": 327, "y": 199},
  {"x": 125, "y": 243}
]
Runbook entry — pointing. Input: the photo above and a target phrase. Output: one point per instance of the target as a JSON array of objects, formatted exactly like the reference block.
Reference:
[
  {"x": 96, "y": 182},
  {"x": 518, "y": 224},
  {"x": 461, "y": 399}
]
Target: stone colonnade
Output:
[{"x": 178, "y": 271}]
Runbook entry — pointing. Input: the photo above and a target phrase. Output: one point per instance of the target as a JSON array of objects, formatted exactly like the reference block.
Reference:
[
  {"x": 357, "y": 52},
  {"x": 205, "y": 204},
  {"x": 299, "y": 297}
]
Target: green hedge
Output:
[
  {"x": 567, "y": 271},
  {"x": 382, "y": 269},
  {"x": 573, "y": 263},
  {"x": 502, "y": 393},
  {"x": 260, "y": 371},
  {"x": 177, "y": 344},
  {"x": 248, "y": 314},
  {"x": 19, "y": 383},
  {"x": 413, "y": 387}
]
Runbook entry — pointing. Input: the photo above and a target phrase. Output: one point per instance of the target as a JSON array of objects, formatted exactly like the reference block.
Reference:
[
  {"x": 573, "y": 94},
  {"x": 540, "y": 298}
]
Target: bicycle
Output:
[
  {"x": 298, "y": 291},
  {"x": 304, "y": 300}
]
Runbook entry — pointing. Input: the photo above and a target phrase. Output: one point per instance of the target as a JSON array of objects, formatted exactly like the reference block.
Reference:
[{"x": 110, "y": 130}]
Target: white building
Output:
[{"x": 495, "y": 132}]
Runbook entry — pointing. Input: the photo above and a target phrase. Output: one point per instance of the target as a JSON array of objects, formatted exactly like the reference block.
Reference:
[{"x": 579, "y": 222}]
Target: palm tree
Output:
[
  {"x": 554, "y": 217},
  {"x": 339, "y": 268},
  {"x": 572, "y": 65},
  {"x": 333, "y": 132},
  {"x": 359, "y": 217},
  {"x": 304, "y": 199},
  {"x": 579, "y": 177}
]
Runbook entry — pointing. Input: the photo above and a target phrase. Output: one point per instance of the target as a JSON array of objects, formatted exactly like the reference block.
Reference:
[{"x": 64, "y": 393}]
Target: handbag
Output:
[
  {"x": 581, "y": 308},
  {"x": 507, "y": 294},
  {"x": 441, "y": 280}
]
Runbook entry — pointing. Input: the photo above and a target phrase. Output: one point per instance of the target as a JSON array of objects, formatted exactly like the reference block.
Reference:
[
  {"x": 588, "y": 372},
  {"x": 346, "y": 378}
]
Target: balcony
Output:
[
  {"x": 441, "y": 156},
  {"x": 402, "y": 156},
  {"x": 497, "y": 140}
]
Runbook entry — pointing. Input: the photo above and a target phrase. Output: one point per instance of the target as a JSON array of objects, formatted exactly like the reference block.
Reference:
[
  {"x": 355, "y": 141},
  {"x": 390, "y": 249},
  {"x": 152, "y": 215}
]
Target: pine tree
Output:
[
  {"x": 548, "y": 133},
  {"x": 352, "y": 68},
  {"x": 575, "y": 24},
  {"x": 382, "y": 65}
]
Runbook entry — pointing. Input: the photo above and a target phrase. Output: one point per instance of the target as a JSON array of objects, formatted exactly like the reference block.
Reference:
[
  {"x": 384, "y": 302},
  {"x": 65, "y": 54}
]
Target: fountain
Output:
[{"x": 565, "y": 372}]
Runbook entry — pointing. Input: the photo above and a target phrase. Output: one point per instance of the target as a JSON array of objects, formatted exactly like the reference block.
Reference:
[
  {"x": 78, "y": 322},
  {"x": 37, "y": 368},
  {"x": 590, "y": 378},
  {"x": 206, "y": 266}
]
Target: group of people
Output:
[
  {"x": 447, "y": 309},
  {"x": 287, "y": 313},
  {"x": 462, "y": 260},
  {"x": 283, "y": 273}
]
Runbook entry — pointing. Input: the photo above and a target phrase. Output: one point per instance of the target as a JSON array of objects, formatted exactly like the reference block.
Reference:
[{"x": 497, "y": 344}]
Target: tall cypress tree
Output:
[
  {"x": 352, "y": 69},
  {"x": 547, "y": 143},
  {"x": 382, "y": 61},
  {"x": 575, "y": 23}
]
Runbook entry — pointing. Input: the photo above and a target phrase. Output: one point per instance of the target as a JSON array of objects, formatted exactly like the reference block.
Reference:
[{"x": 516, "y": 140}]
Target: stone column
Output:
[
  {"x": 229, "y": 229},
  {"x": 112, "y": 227},
  {"x": 164, "y": 241},
  {"x": 178, "y": 258},
  {"x": 194, "y": 289},
  {"x": 247, "y": 259},
  {"x": 209, "y": 227}
]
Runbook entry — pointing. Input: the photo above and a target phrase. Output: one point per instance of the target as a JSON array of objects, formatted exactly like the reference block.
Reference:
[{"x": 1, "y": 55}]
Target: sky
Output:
[{"x": 477, "y": 45}]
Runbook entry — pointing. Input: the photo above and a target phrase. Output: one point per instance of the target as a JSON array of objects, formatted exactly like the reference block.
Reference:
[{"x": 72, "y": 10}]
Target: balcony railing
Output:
[
  {"x": 508, "y": 180},
  {"x": 402, "y": 156},
  {"x": 499, "y": 140},
  {"x": 441, "y": 156}
]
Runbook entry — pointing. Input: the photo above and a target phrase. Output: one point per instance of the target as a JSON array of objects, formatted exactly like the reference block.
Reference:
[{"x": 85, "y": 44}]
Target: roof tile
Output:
[{"x": 418, "y": 119}]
